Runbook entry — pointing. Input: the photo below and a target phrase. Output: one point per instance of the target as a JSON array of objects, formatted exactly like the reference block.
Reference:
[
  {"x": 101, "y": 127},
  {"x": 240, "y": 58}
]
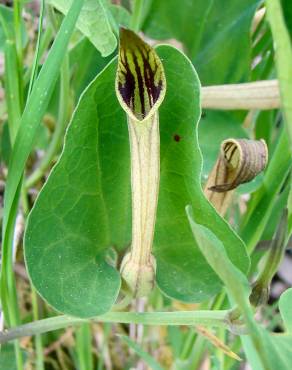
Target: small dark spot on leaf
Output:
[
  {"x": 203, "y": 115},
  {"x": 176, "y": 138}
]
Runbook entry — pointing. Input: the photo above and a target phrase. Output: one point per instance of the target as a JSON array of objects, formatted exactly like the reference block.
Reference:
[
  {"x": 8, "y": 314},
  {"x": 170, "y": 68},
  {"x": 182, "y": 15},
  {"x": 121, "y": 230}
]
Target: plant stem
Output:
[
  {"x": 283, "y": 53},
  {"x": 8, "y": 284},
  {"x": 17, "y": 15},
  {"x": 38, "y": 338},
  {"x": 12, "y": 89},
  {"x": 14, "y": 98},
  {"x": 44, "y": 45},
  {"x": 199, "y": 347},
  {"x": 276, "y": 251},
  {"x": 37, "y": 53},
  {"x": 24, "y": 199},
  {"x": 188, "y": 344},
  {"x": 12, "y": 80},
  {"x": 199, "y": 341},
  {"x": 136, "y": 15},
  {"x": 261, "y": 287},
  {"x": 83, "y": 347},
  {"x": 207, "y": 318}
]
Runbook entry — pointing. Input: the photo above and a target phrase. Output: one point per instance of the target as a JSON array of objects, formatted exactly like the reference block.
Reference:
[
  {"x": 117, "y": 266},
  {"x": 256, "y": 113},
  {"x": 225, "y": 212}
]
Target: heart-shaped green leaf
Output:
[
  {"x": 182, "y": 271},
  {"x": 85, "y": 206}
]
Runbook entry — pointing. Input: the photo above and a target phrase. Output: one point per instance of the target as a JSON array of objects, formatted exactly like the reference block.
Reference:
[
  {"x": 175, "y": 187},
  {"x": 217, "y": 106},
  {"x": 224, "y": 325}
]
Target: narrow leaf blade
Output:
[{"x": 150, "y": 361}]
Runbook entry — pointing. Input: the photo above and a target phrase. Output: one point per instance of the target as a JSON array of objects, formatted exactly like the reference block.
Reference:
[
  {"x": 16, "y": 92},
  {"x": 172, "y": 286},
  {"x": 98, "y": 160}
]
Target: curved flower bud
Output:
[
  {"x": 239, "y": 161},
  {"x": 261, "y": 287}
]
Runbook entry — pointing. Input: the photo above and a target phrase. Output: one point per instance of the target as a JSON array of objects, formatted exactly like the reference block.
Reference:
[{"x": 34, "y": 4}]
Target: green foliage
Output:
[
  {"x": 150, "y": 361},
  {"x": 6, "y": 18},
  {"x": 84, "y": 350},
  {"x": 80, "y": 213},
  {"x": 6, "y": 26},
  {"x": 285, "y": 304},
  {"x": 189, "y": 278},
  {"x": 208, "y": 34},
  {"x": 283, "y": 52},
  {"x": 84, "y": 208},
  {"x": 7, "y": 358},
  {"x": 213, "y": 250},
  {"x": 287, "y": 12},
  {"x": 265, "y": 351},
  {"x": 33, "y": 113},
  {"x": 79, "y": 199},
  {"x": 93, "y": 23},
  {"x": 37, "y": 104}
]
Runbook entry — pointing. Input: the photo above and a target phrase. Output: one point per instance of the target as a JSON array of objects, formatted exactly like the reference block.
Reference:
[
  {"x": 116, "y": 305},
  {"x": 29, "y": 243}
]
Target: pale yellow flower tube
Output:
[{"x": 140, "y": 88}]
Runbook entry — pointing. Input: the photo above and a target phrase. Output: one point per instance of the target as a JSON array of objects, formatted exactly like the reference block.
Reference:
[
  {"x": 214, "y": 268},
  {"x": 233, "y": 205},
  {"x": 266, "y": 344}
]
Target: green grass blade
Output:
[
  {"x": 36, "y": 107},
  {"x": 11, "y": 75},
  {"x": 63, "y": 117},
  {"x": 37, "y": 52},
  {"x": 33, "y": 113},
  {"x": 283, "y": 53},
  {"x": 84, "y": 348},
  {"x": 12, "y": 89},
  {"x": 150, "y": 361}
]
